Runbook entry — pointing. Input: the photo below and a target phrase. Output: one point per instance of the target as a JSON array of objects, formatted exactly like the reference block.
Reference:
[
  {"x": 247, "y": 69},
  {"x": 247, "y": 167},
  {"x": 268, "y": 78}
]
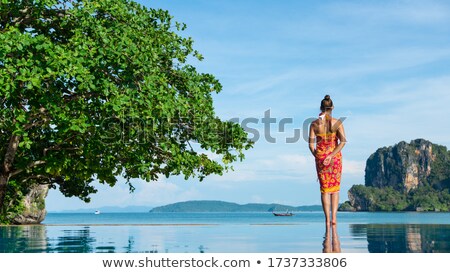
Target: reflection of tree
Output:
[
  {"x": 105, "y": 249},
  {"x": 400, "y": 238},
  {"x": 70, "y": 239},
  {"x": 75, "y": 241},
  {"x": 20, "y": 239}
]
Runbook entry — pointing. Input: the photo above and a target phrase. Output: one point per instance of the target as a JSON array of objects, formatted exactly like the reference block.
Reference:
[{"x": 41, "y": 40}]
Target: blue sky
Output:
[{"x": 384, "y": 63}]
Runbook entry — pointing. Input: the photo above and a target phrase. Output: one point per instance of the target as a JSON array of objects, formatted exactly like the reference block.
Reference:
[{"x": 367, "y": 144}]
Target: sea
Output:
[{"x": 304, "y": 232}]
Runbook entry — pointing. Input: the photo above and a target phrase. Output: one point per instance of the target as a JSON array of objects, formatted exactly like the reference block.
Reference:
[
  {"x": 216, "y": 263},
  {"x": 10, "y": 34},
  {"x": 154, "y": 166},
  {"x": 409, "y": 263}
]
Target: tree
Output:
[{"x": 95, "y": 90}]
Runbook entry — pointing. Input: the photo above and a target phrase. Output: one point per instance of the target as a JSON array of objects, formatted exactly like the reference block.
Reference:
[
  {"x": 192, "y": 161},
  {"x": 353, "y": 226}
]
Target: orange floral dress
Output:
[{"x": 329, "y": 176}]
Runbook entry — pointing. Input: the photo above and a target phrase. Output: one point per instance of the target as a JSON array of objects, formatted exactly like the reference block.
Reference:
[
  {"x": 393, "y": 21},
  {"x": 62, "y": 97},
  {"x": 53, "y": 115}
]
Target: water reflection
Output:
[
  {"x": 23, "y": 239},
  {"x": 30, "y": 239},
  {"x": 226, "y": 238},
  {"x": 129, "y": 247},
  {"x": 69, "y": 239},
  {"x": 331, "y": 243},
  {"x": 73, "y": 241},
  {"x": 404, "y": 238}
]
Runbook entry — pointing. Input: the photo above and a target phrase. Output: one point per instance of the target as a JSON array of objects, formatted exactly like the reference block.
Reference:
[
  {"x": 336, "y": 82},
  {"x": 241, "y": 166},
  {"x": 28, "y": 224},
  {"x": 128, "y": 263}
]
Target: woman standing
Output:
[{"x": 326, "y": 140}]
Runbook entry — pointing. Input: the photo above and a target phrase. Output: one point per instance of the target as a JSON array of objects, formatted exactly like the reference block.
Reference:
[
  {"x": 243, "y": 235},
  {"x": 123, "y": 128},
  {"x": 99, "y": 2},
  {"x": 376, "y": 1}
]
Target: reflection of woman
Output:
[
  {"x": 326, "y": 140},
  {"x": 331, "y": 244}
]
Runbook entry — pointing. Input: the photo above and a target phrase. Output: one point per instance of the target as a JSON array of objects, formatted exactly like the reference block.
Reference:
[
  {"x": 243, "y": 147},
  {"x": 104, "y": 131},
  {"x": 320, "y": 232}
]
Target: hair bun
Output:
[{"x": 327, "y": 97}]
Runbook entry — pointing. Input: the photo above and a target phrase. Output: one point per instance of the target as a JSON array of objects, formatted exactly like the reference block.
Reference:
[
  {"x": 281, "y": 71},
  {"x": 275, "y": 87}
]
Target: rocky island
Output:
[{"x": 411, "y": 176}]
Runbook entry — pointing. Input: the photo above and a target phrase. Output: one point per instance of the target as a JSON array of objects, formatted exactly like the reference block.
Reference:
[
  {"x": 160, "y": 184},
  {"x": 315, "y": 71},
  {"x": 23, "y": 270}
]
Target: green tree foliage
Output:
[
  {"x": 440, "y": 168},
  {"x": 102, "y": 89},
  {"x": 424, "y": 198},
  {"x": 427, "y": 198},
  {"x": 380, "y": 199}
]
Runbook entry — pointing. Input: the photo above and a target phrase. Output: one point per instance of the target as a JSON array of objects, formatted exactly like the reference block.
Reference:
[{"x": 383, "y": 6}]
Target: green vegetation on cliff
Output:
[
  {"x": 440, "y": 168},
  {"x": 425, "y": 198}
]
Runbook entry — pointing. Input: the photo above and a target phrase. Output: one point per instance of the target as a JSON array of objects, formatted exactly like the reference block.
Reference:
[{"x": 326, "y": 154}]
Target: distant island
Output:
[
  {"x": 411, "y": 176},
  {"x": 221, "y": 206}
]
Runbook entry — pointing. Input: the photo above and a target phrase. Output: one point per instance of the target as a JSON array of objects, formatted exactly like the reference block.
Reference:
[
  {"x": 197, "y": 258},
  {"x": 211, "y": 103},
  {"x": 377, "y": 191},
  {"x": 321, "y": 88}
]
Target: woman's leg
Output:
[
  {"x": 325, "y": 197},
  {"x": 334, "y": 206}
]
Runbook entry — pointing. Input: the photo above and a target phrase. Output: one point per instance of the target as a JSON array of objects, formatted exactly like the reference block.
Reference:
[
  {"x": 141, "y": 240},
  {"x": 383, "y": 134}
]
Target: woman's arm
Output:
[
  {"x": 340, "y": 133},
  {"x": 342, "y": 139},
  {"x": 312, "y": 140}
]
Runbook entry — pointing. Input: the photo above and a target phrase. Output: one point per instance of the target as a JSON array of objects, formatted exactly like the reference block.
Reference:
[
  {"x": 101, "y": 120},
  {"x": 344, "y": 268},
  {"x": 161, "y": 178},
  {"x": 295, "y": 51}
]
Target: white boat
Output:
[{"x": 97, "y": 212}]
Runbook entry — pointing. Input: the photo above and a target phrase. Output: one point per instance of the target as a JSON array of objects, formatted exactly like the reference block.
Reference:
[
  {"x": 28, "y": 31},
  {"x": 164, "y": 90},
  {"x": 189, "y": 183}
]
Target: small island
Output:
[
  {"x": 221, "y": 206},
  {"x": 411, "y": 176}
]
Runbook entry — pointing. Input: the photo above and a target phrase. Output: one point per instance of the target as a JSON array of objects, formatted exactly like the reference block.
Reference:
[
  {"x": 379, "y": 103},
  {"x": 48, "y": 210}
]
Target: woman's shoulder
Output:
[
  {"x": 315, "y": 122},
  {"x": 337, "y": 122}
]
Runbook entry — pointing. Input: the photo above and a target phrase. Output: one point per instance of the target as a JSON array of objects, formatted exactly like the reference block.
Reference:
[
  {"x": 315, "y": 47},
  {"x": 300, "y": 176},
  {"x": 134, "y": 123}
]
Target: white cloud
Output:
[
  {"x": 405, "y": 110},
  {"x": 239, "y": 175},
  {"x": 353, "y": 167},
  {"x": 274, "y": 167},
  {"x": 380, "y": 62},
  {"x": 157, "y": 192},
  {"x": 256, "y": 199},
  {"x": 146, "y": 194},
  {"x": 411, "y": 12}
]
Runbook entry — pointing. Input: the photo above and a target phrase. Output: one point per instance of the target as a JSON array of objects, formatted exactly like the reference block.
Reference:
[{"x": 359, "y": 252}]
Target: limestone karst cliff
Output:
[
  {"x": 406, "y": 176},
  {"x": 34, "y": 206},
  {"x": 402, "y": 167}
]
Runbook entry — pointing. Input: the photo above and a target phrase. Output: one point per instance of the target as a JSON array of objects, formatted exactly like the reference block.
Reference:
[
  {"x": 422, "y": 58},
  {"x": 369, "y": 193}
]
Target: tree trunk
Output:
[{"x": 3, "y": 183}]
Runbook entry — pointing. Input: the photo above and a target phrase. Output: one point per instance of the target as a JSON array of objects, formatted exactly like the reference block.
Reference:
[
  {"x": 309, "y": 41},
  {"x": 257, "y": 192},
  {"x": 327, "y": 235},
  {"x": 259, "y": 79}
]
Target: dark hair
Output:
[{"x": 326, "y": 103}]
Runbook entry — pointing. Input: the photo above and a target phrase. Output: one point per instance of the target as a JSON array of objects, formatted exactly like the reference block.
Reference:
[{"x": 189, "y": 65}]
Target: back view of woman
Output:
[{"x": 326, "y": 140}]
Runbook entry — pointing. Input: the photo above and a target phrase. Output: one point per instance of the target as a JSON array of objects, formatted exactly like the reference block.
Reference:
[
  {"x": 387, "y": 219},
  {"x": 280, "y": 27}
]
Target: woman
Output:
[{"x": 326, "y": 140}]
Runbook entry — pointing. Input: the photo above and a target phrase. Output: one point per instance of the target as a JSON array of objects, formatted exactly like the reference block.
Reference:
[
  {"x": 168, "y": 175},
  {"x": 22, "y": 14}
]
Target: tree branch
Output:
[
  {"x": 36, "y": 123},
  {"x": 27, "y": 19},
  {"x": 75, "y": 96},
  {"x": 31, "y": 165},
  {"x": 38, "y": 177},
  {"x": 59, "y": 148}
]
